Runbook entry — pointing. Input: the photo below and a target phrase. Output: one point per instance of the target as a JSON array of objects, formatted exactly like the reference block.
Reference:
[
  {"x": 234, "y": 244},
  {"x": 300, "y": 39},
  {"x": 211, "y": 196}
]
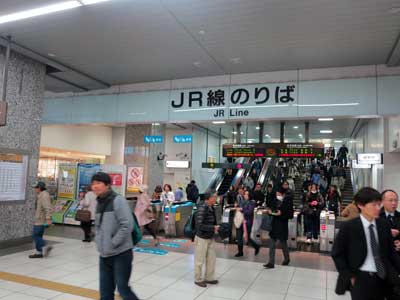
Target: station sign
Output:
[
  {"x": 182, "y": 139},
  {"x": 370, "y": 158},
  {"x": 225, "y": 166},
  {"x": 356, "y": 165},
  {"x": 300, "y": 150},
  {"x": 177, "y": 164},
  {"x": 153, "y": 139}
]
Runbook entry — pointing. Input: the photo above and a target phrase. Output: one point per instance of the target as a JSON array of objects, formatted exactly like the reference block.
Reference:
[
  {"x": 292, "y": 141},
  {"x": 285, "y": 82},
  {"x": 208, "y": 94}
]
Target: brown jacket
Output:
[
  {"x": 42, "y": 212},
  {"x": 350, "y": 212}
]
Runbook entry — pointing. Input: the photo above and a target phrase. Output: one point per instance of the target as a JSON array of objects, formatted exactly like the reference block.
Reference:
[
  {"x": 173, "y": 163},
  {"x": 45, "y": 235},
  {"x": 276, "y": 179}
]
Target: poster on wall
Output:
[
  {"x": 13, "y": 174},
  {"x": 58, "y": 210},
  {"x": 135, "y": 179},
  {"x": 66, "y": 182},
  {"x": 69, "y": 217},
  {"x": 118, "y": 177},
  {"x": 85, "y": 174}
]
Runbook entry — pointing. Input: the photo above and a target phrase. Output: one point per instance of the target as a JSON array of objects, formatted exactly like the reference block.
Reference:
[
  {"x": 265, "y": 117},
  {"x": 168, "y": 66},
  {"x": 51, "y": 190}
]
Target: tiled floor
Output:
[{"x": 163, "y": 277}]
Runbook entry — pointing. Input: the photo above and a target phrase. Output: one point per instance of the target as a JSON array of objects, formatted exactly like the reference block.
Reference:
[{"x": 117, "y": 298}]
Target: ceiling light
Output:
[
  {"x": 156, "y": 124},
  {"x": 202, "y": 32},
  {"x": 258, "y": 128},
  {"x": 51, "y": 54},
  {"x": 89, "y": 2},
  {"x": 218, "y": 122},
  {"x": 338, "y": 141},
  {"x": 236, "y": 60},
  {"x": 267, "y": 135},
  {"x": 295, "y": 127},
  {"x": 44, "y": 10},
  {"x": 327, "y": 145},
  {"x": 241, "y": 132},
  {"x": 325, "y": 119},
  {"x": 300, "y": 135},
  {"x": 325, "y": 131},
  {"x": 234, "y": 132},
  {"x": 197, "y": 64}
]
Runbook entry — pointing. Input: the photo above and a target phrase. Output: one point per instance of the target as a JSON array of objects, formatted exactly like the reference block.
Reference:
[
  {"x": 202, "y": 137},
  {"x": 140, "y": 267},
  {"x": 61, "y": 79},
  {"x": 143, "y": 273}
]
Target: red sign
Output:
[
  {"x": 323, "y": 227},
  {"x": 116, "y": 179}
]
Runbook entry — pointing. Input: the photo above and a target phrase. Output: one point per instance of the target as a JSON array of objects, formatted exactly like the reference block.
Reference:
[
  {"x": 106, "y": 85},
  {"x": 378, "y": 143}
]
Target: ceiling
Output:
[
  {"x": 128, "y": 41},
  {"x": 342, "y": 130}
]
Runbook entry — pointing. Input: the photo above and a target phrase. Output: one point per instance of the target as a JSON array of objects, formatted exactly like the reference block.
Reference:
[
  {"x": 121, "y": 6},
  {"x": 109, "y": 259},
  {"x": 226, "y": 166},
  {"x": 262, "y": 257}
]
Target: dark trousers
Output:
[
  {"x": 152, "y": 229},
  {"x": 87, "y": 229},
  {"x": 272, "y": 250},
  {"x": 240, "y": 239},
  {"x": 115, "y": 271},
  {"x": 38, "y": 231},
  {"x": 312, "y": 225},
  {"x": 368, "y": 287}
]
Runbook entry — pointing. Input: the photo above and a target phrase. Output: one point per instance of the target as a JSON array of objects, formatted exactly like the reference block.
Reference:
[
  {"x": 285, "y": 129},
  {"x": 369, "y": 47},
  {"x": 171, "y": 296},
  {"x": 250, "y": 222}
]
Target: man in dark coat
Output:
[{"x": 282, "y": 211}]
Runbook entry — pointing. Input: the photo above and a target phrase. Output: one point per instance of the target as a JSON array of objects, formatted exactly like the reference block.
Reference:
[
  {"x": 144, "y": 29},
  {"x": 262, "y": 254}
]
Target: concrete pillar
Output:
[
  {"x": 261, "y": 132},
  {"x": 282, "y": 133}
]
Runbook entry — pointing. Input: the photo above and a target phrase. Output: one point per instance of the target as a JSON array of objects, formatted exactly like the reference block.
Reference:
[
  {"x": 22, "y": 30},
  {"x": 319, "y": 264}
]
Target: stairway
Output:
[
  {"x": 347, "y": 193},
  {"x": 226, "y": 183},
  {"x": 298, "y": 193}
]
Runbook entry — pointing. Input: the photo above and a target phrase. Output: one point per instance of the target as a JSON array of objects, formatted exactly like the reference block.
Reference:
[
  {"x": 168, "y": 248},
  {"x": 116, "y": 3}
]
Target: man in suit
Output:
[{"x": 364, "y": 253}]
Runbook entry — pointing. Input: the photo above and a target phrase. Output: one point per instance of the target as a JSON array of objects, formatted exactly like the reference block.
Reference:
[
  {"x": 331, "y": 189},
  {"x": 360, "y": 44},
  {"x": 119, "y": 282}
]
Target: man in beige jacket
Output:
[{"x": 42, "y": 218}]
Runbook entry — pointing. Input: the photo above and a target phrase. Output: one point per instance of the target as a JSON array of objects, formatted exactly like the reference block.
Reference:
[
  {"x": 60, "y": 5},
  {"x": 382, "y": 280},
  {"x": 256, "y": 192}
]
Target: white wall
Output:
[
  {"x": 391, "y": 177},
  {"x": 88, "y": 139},
  {"x": 117, "y": 147}
]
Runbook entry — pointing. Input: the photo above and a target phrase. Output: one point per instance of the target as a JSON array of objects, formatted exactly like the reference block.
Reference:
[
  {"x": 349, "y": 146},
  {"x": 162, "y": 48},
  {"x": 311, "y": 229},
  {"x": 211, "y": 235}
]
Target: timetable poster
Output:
[
  {"x": 13, "y": 176},
  {"x": 66, "y": 181}
]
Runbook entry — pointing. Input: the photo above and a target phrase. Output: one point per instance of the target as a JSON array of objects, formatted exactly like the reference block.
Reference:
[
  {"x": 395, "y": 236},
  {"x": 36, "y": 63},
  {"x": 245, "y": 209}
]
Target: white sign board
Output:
[
  {"x": 13, "y": 176},
  {"x": 355, "y": 165},
  {"x": 177, "y": 164},
  {"x": 370, "y": 158}
]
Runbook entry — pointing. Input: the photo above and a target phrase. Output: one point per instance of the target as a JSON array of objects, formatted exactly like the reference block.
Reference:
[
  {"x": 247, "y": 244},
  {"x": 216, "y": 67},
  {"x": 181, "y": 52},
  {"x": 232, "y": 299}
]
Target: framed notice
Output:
[
  {"x": 66, "y": 182},
  {"x": 85, "y": 174},
  {"x": 118, "y": 177},
  {"x": 135, "y": 179},
  {"x": 13, "y": 176}
]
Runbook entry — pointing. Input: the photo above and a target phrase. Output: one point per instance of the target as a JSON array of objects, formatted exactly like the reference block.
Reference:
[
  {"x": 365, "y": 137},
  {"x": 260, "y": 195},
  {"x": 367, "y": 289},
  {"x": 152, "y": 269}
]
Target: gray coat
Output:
[{"x": 114, "y": 234}]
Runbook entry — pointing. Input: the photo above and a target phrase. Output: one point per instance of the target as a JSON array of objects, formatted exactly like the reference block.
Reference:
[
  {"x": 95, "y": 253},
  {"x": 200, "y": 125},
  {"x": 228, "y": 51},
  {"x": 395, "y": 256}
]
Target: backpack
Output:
[
  {"x": 189, "y": 231},
  {"x": 136, "y": 232}
]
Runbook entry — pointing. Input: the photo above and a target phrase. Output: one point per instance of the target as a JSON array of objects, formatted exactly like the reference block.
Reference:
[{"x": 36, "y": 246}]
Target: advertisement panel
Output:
[
  {"x": 85, "y": 174},
  {"x": 66, "y": 182}
]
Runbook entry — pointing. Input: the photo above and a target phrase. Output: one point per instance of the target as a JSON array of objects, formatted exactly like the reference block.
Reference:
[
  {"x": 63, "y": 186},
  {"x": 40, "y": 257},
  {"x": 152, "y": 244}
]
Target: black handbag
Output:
[
  {"x": 266, "y": 223},
  {"x": 83, "y": 215}
]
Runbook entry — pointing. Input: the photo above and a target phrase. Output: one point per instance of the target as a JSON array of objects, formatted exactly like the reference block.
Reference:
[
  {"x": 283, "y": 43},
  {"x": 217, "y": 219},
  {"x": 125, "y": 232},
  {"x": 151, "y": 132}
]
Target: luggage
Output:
[{"x": 189, "y": 231}]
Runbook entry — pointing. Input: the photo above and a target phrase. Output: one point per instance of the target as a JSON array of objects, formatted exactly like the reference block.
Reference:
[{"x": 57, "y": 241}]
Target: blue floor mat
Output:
[{"x": 155, "y": 251}]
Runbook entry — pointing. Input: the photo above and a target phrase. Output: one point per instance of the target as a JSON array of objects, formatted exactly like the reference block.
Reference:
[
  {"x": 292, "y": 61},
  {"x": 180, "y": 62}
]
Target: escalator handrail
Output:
[{"x": 241, "y": 160}]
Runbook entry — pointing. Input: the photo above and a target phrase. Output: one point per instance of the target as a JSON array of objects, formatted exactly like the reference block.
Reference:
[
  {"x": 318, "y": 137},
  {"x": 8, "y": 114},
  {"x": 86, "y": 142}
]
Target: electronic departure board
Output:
[{"x": 274, "y": 150}]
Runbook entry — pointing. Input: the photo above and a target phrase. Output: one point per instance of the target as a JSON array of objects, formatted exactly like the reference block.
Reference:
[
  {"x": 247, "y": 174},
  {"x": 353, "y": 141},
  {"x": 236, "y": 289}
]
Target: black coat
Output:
[
  {"x": 280, "y": 227},
  {"x": 205, "y": 221},
  {"x": 396, "y": 220},
  {"x": 350, "y": 250}
]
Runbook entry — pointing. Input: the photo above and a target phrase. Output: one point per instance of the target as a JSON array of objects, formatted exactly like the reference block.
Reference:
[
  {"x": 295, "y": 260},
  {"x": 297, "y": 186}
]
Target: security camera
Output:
[{"x": 161, "y": 156}]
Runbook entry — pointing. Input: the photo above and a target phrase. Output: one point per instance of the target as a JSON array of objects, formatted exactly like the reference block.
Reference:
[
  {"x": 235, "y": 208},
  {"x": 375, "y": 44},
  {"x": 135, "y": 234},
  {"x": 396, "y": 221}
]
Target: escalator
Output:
[{"x": 226, "y": 182}]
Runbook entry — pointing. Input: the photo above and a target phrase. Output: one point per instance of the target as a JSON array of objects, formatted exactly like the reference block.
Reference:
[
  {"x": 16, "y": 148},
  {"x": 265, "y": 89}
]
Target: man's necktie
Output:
[{"x": 380, "y": 268}]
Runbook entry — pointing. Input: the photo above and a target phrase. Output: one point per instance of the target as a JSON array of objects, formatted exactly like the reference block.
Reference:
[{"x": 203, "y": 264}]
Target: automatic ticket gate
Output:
[
  {"x": 227, "y": 217},
  {"x": 292, "y": 237},
  {"x": 175, "y": 217},
  {"x": 327, "y": 231}
]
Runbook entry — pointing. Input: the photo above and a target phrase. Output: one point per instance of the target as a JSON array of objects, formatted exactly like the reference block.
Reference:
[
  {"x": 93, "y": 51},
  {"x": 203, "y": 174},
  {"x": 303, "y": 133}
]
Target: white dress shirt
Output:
[{"x": 369, "y": 263}]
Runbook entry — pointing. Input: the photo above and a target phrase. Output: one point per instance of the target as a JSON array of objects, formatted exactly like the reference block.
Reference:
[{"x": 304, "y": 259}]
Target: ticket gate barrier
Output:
[
  {"x": 292, "y": 237},
  {"x": 175, "y": 217},
  {"x": 327, "y": 231},
  {"x": 218, "y": 213},
  {"x": 227, "y": 217}
]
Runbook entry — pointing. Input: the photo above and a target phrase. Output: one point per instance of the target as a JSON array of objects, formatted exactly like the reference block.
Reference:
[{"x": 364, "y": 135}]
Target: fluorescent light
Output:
[
  {"x": 156, "y": 124},
  {"x": 295, "y": 127},
  {"x": 89, "y": 2},
  {"x": 338, "y": 141},
  {"x": 44, "y": 10},
  {"x": 241, "y": 132},
  {"x": 325, "y": 119},
  {"x": 327, "y": 145},
  {"x": 300, "y": 135},
  {"x": 234, "y": 132},
  {"x": 325, "y": 131},
  {"x": 267, "y": 135},
  {"x": 258, "y": 128},
  {"x": 218, "y": 122}
]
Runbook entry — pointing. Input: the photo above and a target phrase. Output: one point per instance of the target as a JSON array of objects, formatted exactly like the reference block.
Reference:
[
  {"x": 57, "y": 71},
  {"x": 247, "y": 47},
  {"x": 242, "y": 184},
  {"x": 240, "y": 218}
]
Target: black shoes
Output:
[
  {"x": 239, "y": 255},
  {"x": 257, "y": 250},
  {"x": 86, "y": 240},
  {"x": 201, "y": 284},
  {"x": 269, "y": 266},
  {"x": 211, "y": 281},
  {"x": 37, "y": 255},
  {"x": 286, "y": 262}
]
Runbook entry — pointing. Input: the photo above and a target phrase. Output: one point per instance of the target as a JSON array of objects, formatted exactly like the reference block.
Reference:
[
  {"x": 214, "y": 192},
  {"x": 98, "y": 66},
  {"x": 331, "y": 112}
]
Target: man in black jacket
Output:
[
  {"x": 192, "y": 192},
  {"x": 206, "y": 227},
  {"x": 363, "y": 251}
]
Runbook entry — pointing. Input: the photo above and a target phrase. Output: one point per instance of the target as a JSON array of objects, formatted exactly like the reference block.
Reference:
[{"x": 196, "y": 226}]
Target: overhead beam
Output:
[
  {"x": 68, "y": 82},
  {"x": 393, "y": 59}
]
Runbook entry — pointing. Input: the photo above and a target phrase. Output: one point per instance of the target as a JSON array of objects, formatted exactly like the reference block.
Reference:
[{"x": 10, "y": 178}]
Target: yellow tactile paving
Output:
[{"x": 51, "y": 285}]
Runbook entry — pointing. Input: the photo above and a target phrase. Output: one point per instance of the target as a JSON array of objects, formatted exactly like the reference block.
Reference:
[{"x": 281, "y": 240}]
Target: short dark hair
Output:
[
  {"x": 208, "y": 196},
  {"x": 102, "y": 177},
  {"x": 387, "y": 191},
  {"x": 367, "y": 195},
  {"x": 169, "y": 186}
]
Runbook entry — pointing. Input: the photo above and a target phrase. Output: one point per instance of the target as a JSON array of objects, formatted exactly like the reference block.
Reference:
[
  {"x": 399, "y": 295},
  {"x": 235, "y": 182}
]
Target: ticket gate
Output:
[
  {"x": 292, "y": 237},
  {"x": 227, "y": 217},
  {"x": 327, "y": 231},
  {"x": 218, "y": 213},
  {"x": 175, "y": 217}
]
